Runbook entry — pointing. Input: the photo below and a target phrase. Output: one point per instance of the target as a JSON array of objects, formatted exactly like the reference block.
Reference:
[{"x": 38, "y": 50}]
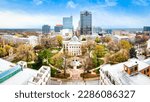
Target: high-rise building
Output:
[
  {"x": 46, "y": 29},
  {"x": 146, "y": 30},
  {"x": 86, "y": 23},
  {"x": 68, "y": 22},
  {"x": 58, "y": 28}
]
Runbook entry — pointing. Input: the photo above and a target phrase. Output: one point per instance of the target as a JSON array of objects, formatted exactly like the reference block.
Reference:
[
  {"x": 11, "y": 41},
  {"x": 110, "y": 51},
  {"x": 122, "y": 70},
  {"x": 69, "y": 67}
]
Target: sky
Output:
[{"x": 105, "y": 13}]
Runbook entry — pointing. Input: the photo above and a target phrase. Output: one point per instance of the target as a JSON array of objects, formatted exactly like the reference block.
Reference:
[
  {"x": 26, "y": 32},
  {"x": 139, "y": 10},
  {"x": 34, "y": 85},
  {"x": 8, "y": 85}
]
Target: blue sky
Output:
[{"x": 106, "y": 13}]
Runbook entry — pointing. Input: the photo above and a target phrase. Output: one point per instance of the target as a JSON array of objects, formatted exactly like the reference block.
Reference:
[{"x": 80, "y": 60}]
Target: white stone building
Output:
[
  {"x": 148, "y": 45},
  {"x": 31, "y": 40},
  {"x": 42, "y": 76},
  {"x": 73, "y": 46}
]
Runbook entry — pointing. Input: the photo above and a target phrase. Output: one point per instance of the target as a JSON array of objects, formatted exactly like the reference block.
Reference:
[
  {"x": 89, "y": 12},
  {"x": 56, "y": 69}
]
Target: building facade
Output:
[
  {"x": 41, "y": 78},
  {"x": 58, "y": 28},
  {"x": 132, "y": 72},
  {"x": 68, "y": 22},
  {"x": 31, "y": 40},
  {"x": 146, "y": 30},
  {"x": 46, "y": 29},
  {"x": 85, "y": 23},
  {"x": 73, "y": 46}
]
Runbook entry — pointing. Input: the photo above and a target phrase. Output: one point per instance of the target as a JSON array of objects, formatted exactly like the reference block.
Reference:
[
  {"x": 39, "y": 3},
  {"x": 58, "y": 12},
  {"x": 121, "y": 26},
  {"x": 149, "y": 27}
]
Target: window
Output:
[
  {"x": 136, "y": 68},
  {"x": 131, "y": 70},
  {"x": 144, "y": 72},
  {"x": 147, "y": 70}
]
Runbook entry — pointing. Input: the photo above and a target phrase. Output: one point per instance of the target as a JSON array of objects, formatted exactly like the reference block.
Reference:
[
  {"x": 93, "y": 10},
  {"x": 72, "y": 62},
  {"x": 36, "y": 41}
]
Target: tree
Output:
[
  {"x": 25, "y": 52},
  {"x": 95, "y": 62},
  {"x": 2, "y": 52},
  {"x": 133, "y": 53},
  {"x": 97, "y": 40},
  {"x": 90, "y": 45},
  {"x": 45, "y": 55},
  {"x": 7, "y": 47},
  {"x": 83, "y": 49},
  {"x": 112, "y": 46},
  {"x": 107, "y": 39},
  {"x": 123, "y": 44},
  {"x": 38, "y": 47},
  {"x": 59, "y": 40},
  {"x": 83, "y": 39},
  {"x": 121, "y": 56},
  {"x": 99, "y": 51}
]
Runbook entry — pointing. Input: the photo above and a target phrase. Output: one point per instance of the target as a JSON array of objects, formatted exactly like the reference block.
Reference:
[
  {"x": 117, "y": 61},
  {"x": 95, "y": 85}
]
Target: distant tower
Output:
[
  {"x": 68, "y": 22},
  {"x": 46, "y": 29},
  {"x": 86, "y": 23},
  {"x": 58, "y": 28}
]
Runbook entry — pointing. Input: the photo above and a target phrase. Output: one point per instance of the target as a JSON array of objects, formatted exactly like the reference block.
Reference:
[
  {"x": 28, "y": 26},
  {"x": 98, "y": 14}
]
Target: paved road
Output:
[
  {"x": 81, "y": 82},
  {"x": 76, "y": 79},
  {"x": 75, "y": 82}
]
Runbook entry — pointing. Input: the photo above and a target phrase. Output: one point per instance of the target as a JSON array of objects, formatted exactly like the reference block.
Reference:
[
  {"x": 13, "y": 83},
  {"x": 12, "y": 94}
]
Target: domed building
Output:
[{"x": 73, "y": 46}]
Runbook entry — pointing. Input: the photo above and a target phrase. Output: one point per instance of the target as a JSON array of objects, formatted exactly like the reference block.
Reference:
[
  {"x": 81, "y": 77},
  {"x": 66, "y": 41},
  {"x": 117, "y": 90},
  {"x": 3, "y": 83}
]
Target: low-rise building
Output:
[
  {"x": 132, "y": 72},
  {"x": 15, "y": 74},
  {"x": 42, "y": 76},
  {"x": 19, "y": 74},
  {"x": 31, "y": 40},
  {"x": 73, "y": 46},
  {"x": 148, "y": 45},
  {"x": 58, "y": 28}
]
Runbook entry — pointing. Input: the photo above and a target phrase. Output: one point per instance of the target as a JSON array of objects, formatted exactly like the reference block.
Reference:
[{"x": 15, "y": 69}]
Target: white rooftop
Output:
[
  {"x": 121, "y": 37},
  {"x": 5, "y": 65},
  {"x": 118, "y": 73},
  {"x": 147, "y": 61},
  {"x": 74, "y": 40},
  {"x": 20, "y": 78},
  {"x": 141, "y": 64}
]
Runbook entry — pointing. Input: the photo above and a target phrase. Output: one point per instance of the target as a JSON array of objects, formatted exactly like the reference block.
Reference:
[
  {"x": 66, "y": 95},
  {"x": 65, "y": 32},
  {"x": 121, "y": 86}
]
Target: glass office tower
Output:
[
  {"x": 85, "y": 23},
  {"x": 68, "y": 22},
  {"x": 45, "y": 29}
]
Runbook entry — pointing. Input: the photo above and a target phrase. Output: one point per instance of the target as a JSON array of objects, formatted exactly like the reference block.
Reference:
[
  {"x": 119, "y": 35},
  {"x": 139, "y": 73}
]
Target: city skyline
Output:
[{"x": 106, "y": 13}]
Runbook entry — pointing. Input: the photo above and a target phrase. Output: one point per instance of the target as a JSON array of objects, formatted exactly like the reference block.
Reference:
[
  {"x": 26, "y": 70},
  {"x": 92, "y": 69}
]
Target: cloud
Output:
[
  {"x": 141, "y": 2},
  {"x": 108, "y": 19},
  {"x": 71, "y": 4},
  {"x": 11, "y": 19},
  {"x": 38, "y": 2},
  {"x": 107, "y": 3},
  {"x": 111, "y": 2},
  {"x": 101, "y": 17}
]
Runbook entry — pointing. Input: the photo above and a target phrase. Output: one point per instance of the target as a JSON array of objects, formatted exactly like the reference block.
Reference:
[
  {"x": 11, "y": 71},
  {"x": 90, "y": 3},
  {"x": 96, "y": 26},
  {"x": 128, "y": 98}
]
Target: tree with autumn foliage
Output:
[
  {"x": 123, "y": 44},
  {"x": 99, "y": 51},
  {"x": 59, "y": 40},
  {"x": 25, "y": 52}
]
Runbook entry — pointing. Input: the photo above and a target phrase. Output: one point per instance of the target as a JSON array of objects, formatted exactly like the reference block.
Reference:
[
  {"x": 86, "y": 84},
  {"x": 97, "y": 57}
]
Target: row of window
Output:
[
  {"x": 109, "y": 77},
  {"x": 146, "y": 71}
]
